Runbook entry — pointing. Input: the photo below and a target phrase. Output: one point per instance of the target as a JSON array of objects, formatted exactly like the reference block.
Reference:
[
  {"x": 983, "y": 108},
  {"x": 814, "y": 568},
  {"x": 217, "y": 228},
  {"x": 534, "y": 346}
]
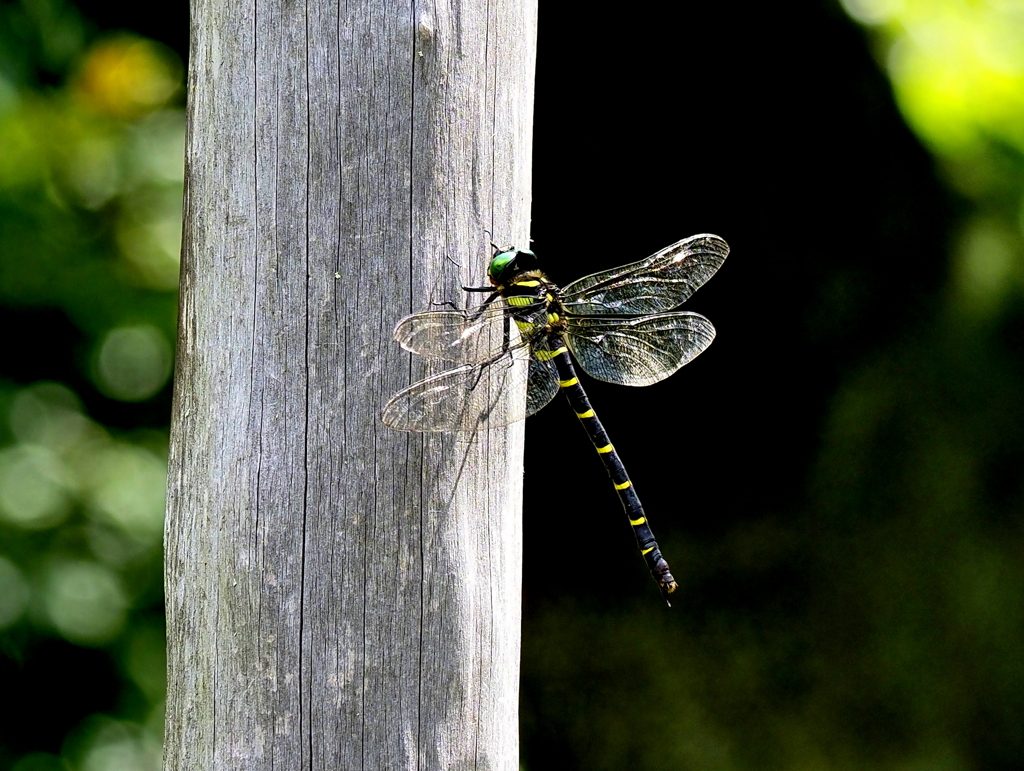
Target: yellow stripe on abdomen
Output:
[
  {"x": 549, "y": 355},
  {"x": 570, "y": 382}
]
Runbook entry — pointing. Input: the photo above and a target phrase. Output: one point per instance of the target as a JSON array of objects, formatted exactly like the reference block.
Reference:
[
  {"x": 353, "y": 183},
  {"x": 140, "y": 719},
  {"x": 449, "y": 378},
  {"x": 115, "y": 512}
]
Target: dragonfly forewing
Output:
[
  {"x": 663, "y": 281},
  {"x": 461, "y": 336}
]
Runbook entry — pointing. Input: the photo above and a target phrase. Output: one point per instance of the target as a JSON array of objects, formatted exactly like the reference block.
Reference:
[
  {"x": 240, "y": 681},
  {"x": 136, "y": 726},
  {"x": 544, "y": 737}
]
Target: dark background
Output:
[
  {"x": 836, "y": 482},
  {"x": 774, "y": 129}
]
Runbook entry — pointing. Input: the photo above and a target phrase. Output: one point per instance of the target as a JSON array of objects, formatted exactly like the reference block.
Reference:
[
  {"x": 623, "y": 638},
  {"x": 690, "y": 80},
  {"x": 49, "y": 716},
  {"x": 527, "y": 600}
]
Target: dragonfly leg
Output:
[
  {"x": 477, "y": 311},
  {"x": 448, "y": 303}
]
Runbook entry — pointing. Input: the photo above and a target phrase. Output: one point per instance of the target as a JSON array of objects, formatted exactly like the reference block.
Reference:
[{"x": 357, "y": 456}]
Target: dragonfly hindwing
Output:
[{"x": 639, "y": 351}]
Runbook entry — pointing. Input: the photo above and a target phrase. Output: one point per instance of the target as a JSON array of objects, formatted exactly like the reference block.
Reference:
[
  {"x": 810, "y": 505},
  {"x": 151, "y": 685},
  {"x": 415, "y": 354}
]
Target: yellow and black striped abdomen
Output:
[
  {"x": 577, "y": 397},
  {"x": 547, "y": 344}
]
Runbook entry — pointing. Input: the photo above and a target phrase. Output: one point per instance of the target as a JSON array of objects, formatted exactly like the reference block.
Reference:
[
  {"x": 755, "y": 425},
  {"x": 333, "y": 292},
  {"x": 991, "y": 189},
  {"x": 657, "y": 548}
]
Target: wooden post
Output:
[{"x": 339, "y": 595}]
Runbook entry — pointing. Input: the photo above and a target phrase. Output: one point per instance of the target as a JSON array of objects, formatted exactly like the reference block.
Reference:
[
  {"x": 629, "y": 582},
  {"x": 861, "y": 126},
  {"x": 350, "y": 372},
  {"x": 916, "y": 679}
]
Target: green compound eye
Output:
[
  {"x": 511, "y": 261},
  {"x": 501, "y": 262}
]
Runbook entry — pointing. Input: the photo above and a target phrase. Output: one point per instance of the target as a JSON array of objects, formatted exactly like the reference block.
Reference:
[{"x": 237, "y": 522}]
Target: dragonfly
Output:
[{"x": 507, "y": 358}]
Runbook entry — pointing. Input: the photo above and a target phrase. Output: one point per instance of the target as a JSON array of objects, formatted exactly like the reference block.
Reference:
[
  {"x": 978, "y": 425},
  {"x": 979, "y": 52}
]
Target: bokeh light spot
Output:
[
  {"x": 121, "y": 746},
  {"x": 987, "y": 266},
  {"x": 149, "y": 236},
  {"x": 14, "y": 593},
  {"x": 9, "y": 100},
  {"x": 84, "y": 601},
  {"x": 129, "y": 491},
  {"x": 871, "y": 11},
  {"x": 158, "y": 149},
  {"x": 48, "y": 414},
  {"x": 127, "y": 76},
  {"x": 93, "y": 171},
  {"x": 133, "y": 363},
  {"x": 35, "y": 487}
]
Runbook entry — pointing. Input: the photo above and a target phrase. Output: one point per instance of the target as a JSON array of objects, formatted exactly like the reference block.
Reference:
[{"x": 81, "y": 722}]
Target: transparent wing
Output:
[
  {"x": 659, "y": 283},
  {"x": 638, "y": 351},
  {"x": 474, "y": 396},
  {"x": 543, "y": 381},
  {"x": 463, "y": 336}
]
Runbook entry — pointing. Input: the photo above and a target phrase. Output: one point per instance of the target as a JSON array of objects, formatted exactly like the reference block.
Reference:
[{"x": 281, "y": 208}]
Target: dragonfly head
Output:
[{"x": 509, "y": 262}]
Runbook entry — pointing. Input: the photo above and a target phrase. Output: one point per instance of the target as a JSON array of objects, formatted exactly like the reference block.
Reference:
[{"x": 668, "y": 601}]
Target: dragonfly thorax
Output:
[{"x": 531, "y": 293}]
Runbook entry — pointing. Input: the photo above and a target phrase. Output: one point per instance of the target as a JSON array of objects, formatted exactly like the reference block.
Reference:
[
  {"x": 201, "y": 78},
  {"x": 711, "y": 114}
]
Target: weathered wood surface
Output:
[{"x": 341, "y": 596}]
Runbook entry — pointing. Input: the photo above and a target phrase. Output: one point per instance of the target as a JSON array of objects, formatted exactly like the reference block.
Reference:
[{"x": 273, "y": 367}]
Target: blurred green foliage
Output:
[
  {"x": 90, "y": 216},
  {"x": 957, "y": 70}
]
